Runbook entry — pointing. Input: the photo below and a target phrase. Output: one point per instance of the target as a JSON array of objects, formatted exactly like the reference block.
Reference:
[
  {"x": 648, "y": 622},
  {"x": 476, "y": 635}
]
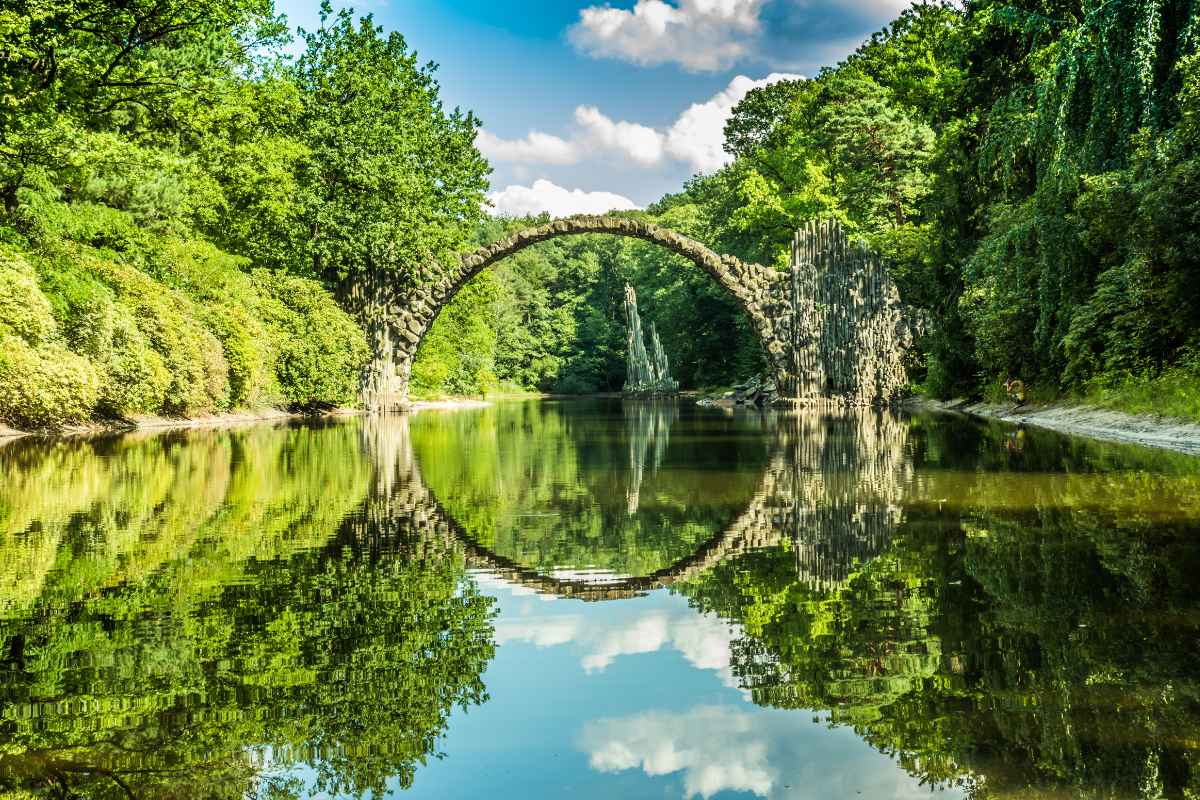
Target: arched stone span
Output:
[{"x": 762, "y": 293}]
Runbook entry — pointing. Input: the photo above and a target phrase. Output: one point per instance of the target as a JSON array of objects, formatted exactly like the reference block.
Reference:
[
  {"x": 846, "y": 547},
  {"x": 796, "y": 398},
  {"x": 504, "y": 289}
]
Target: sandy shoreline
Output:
[
  {"x": 1097, "y": 423},
  {"x": 156, "y": 423}
]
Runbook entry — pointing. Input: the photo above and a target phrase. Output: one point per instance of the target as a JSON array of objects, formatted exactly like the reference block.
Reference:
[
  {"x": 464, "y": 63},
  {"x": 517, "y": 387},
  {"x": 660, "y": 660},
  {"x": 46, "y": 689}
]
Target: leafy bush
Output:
[
  {"x": 42, "y": 384},
  {"x": 576, "y": 383},
  {"x": 103, "y": 317},
  {"x": 24, "y": 310},
  {"x": 46, "y": 386},
  {"x": 193, "y": 356},
  {"x": 320, "y": 351}
]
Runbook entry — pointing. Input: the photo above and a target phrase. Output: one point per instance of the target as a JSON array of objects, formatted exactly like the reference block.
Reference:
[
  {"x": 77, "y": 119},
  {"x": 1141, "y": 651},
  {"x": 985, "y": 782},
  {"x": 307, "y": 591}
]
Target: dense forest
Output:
[{"x": 194, "y": 220}]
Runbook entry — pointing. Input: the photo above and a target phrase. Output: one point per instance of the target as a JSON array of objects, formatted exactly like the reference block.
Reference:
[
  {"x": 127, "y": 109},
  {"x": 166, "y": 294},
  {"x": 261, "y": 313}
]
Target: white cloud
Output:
[
  {"x": 535, "y": 148},
  {"x": 550, "y": 198},
  {"x": 699, "y": 35},
  {"x": 696, "y": 138},
  {"x": 641, "y": 144}
]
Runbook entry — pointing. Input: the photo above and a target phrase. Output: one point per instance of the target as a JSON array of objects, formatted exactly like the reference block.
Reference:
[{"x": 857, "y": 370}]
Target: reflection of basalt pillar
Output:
[{"x": 647, "y": 423}]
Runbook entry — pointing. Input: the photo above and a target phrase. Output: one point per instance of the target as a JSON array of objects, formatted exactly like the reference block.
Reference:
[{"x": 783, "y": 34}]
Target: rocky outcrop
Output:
[
  {"x": 849, "y": 330},
  {"x": 647, "y": 370}
]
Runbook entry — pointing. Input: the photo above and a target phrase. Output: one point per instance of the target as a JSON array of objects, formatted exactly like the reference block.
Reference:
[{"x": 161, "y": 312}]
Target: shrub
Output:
[
  {"x": 46, "y": 386},
  {"x": 249, "y": 352},
  {"x": 136, "y": 377},
  {"x": 320, "y": 350},
  {"x": 193, "y": 357},
  {"x": 228, "y": 303},
  {"x": 24, "y": 310},
  {"x": 145, "y": 323}
]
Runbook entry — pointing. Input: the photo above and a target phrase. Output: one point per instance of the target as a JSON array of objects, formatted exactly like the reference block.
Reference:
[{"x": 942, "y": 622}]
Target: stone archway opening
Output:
[{"x": 832, "y": 326}]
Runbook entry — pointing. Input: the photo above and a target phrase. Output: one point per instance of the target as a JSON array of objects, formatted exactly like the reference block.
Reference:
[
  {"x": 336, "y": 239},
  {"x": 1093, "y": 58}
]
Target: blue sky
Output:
[{"x": 590, "y": 105}]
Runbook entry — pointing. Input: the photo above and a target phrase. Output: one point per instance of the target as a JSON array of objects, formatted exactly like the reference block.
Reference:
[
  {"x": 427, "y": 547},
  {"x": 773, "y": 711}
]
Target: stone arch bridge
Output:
[
  {"x": 833, "y": 525},
  {"x": 829, "y": 325}
]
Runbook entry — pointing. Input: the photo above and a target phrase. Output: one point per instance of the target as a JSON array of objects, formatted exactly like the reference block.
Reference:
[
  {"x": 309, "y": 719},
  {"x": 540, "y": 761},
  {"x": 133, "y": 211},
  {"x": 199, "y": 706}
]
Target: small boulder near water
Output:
[{"x": 757, "y": 391}]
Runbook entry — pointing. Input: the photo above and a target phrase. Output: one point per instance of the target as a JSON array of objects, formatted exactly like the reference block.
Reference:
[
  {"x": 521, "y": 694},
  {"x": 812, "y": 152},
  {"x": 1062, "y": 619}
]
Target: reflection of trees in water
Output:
[
  {"x": 547, "y": 486},
  {"x": 829, "y": 490},
  {"x": 648, "y": 426},
  {"x": 1028, "y": 637},
  {"x": 209, "y": 616},
  {"x": 847, "y": 476}
]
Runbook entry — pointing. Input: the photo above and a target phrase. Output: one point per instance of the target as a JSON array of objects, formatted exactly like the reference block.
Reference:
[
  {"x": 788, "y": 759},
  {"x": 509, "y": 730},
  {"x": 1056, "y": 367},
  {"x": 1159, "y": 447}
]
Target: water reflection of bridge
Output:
[{"x": 830, "y": 491}]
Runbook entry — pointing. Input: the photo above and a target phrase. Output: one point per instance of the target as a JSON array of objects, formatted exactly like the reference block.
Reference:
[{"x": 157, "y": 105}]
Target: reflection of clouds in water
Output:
[
  {"x": 725, "y": 748},
  {"x": 716, "y": 748},
  {"x": 538, "y": 631},
  {"x": 703, "y": 639}
]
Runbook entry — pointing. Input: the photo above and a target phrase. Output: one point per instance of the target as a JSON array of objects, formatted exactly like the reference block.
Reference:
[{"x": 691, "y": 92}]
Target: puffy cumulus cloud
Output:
[
  {"x": 712, "y": 35},
  {"x": 550, "y": 198},
  {"x": 639, "y": 143},
  {"x": 717, "y": 748},
  {"x": 696, "y": 138},
  {"x": 699, "y": 35},
  {"x": 536, "y": 148}
]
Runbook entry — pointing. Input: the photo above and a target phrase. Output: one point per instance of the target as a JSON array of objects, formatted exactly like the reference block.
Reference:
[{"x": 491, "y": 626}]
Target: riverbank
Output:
[
  {"x": 228, "y": 419},
  {"x": 1081, "y": 420},
  {"x": 157, "y": 423}
]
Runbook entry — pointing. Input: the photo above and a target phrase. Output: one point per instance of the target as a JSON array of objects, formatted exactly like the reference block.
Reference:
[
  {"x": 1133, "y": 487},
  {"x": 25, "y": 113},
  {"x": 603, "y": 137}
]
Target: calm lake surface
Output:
[{"x": 599, "y": 599}]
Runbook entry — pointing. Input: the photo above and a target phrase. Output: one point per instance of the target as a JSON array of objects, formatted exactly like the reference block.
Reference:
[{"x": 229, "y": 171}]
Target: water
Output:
[{"x": 599, "y": 600}]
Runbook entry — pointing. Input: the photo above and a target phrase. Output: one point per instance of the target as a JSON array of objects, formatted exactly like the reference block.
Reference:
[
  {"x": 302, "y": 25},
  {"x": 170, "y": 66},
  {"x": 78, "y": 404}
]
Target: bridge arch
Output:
[{"x": 761, "y": 292}]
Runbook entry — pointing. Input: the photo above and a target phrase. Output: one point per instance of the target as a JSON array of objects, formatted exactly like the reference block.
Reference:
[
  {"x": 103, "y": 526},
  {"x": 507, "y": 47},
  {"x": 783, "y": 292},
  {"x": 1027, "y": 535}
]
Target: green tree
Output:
[
  {"x": 83, "y": 66},
  {"x": 393, "y": 181}
]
